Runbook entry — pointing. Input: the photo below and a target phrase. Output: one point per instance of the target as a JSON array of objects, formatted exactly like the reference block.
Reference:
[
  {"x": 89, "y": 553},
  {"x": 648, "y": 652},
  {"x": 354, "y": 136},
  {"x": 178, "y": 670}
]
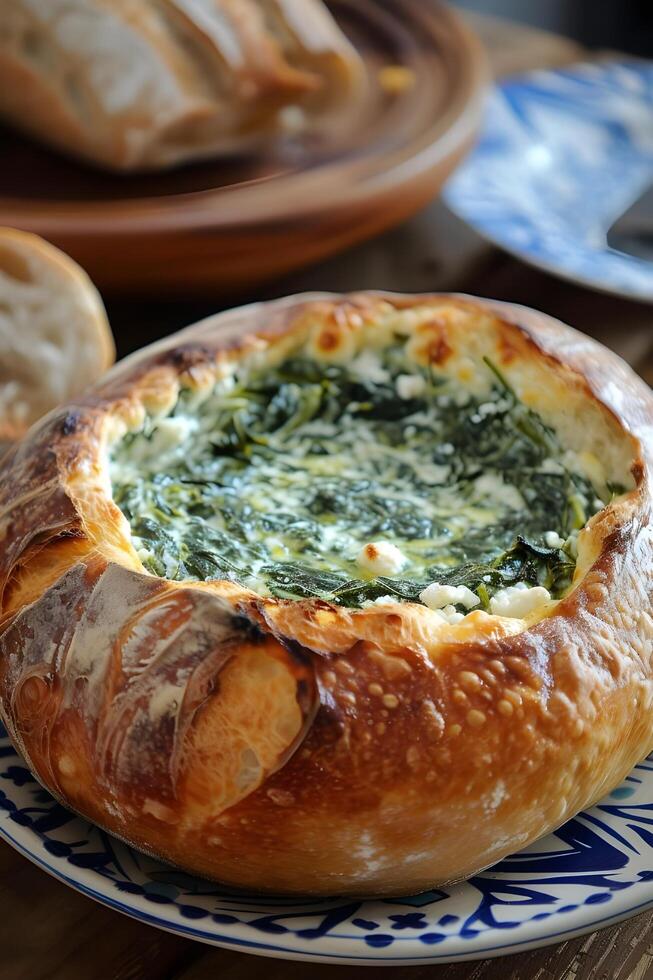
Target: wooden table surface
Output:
[{"x": 49, "y": 931}]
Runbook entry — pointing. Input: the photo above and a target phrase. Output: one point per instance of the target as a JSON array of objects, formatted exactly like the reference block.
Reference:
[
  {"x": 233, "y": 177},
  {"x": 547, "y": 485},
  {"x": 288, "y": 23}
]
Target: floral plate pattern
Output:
[
  {"x": 594, "y": 871},
  {"x": 562, "y": 155}
]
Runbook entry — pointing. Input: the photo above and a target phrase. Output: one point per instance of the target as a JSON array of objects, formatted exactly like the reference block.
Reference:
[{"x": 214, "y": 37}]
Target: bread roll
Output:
[{"x": 54, "y": 335}]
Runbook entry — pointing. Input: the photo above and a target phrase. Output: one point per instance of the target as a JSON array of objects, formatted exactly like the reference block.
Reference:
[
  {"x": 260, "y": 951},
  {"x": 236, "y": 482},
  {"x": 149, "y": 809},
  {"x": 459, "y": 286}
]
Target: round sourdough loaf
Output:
[{"x": 295, "y": 745}]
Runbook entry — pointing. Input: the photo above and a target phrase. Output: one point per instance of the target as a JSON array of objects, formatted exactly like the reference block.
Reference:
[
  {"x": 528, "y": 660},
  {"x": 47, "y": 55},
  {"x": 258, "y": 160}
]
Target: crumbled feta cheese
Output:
[
  {"x": 517, "y": 601},
  {"x": 410, "y": 386},
  {"x": 451, "y": 615},
  {"x": 492, "y": 408},
  {"x": 553, "y": 540},
  {"x": 381, "y": 558},
  {"x": 571, "y": 545},
  {"x": 437, "y": 596},
  {"x": 487, "y": 408}
]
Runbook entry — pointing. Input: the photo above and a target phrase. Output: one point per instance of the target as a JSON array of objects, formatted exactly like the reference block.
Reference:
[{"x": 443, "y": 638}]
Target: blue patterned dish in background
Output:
[
  {"x": 592, "y": 872},
  {"x": 562, "y": 154}
]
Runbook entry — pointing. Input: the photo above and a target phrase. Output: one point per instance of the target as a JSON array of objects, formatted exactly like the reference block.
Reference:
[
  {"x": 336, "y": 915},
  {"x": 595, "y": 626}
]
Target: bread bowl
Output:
[
  {"x": 449, "y": 656},
  {"x": 146, "y": 84}
]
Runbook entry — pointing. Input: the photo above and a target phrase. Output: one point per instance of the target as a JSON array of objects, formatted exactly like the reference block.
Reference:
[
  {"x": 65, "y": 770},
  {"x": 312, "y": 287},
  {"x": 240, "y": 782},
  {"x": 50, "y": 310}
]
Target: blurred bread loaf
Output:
[
  {"x": 54, "y": 335},
  {"x": 146, "y": 84}
]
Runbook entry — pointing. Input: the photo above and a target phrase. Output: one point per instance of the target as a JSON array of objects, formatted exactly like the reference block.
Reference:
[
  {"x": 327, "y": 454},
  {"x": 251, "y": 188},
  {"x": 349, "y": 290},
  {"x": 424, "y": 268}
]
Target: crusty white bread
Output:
[
  {"x": 297, "y": 745},
  {"x": 138, "y": 84},
  {"x": 54, "y": 335}
]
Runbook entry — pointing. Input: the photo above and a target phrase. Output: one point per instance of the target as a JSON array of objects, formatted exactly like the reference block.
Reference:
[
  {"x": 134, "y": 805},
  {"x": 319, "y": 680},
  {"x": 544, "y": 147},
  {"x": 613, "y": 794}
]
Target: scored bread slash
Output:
[{"x": 55, "y": 338}]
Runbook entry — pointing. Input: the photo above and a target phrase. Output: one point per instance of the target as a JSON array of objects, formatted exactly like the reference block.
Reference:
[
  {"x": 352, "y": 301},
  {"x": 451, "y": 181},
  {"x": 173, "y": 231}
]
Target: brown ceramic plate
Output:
[{"x": 218, "y": 226}]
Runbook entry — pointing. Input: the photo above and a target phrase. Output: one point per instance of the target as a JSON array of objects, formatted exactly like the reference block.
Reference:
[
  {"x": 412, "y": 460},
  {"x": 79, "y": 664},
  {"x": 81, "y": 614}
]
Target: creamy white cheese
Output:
[
  {"x": 518, "y": 601},
  {"x": 368, "y": 367},
  {"x": 586, "y": 463},
  {"x": 450, "y": 615},
  {"x": 437, "y": 596},
  {"x": 553, "y": 540},
  {"x": 167, "y": 442},
  {"x": 288, "y": 485},
  {"x": 381, "y": 558},
  {"x": 492, "y": 487},
  {"x": 410, "y": 386}
]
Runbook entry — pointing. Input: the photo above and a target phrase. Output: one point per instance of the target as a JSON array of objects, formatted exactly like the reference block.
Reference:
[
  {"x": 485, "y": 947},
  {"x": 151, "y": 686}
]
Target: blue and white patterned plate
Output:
[
  {"x": 562, "y": 154},
  {"x": 592, "y": 872}
]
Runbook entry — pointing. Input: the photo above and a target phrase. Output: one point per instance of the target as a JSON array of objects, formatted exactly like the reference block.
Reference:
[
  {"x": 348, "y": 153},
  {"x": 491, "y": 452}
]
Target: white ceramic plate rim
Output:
[{"x": 23, "y": 842}]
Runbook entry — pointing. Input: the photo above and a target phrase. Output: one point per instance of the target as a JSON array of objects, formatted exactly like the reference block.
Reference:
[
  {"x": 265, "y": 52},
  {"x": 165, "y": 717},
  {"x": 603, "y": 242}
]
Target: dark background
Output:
[{"x": 625, "y": 25}]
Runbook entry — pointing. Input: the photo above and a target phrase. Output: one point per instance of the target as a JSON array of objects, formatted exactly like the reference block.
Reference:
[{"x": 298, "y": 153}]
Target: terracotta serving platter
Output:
[{"x": 220, "y": 226}]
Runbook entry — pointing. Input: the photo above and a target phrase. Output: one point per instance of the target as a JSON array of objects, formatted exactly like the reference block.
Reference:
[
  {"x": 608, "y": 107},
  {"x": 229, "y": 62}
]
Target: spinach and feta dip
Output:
[{"x": 356, "y": 483}]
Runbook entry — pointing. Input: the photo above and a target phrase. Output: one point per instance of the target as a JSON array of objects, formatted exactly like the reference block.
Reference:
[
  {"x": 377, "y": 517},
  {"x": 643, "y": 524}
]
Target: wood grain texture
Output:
[
  {"x": 49, "y": 932},
  {"x": 622, "y": 953}
]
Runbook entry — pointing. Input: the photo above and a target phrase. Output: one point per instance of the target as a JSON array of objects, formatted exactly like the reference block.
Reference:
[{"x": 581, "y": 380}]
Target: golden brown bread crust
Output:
[
  {"x": 292, "y": 745},
  {"x": 145, "y": 84}
]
